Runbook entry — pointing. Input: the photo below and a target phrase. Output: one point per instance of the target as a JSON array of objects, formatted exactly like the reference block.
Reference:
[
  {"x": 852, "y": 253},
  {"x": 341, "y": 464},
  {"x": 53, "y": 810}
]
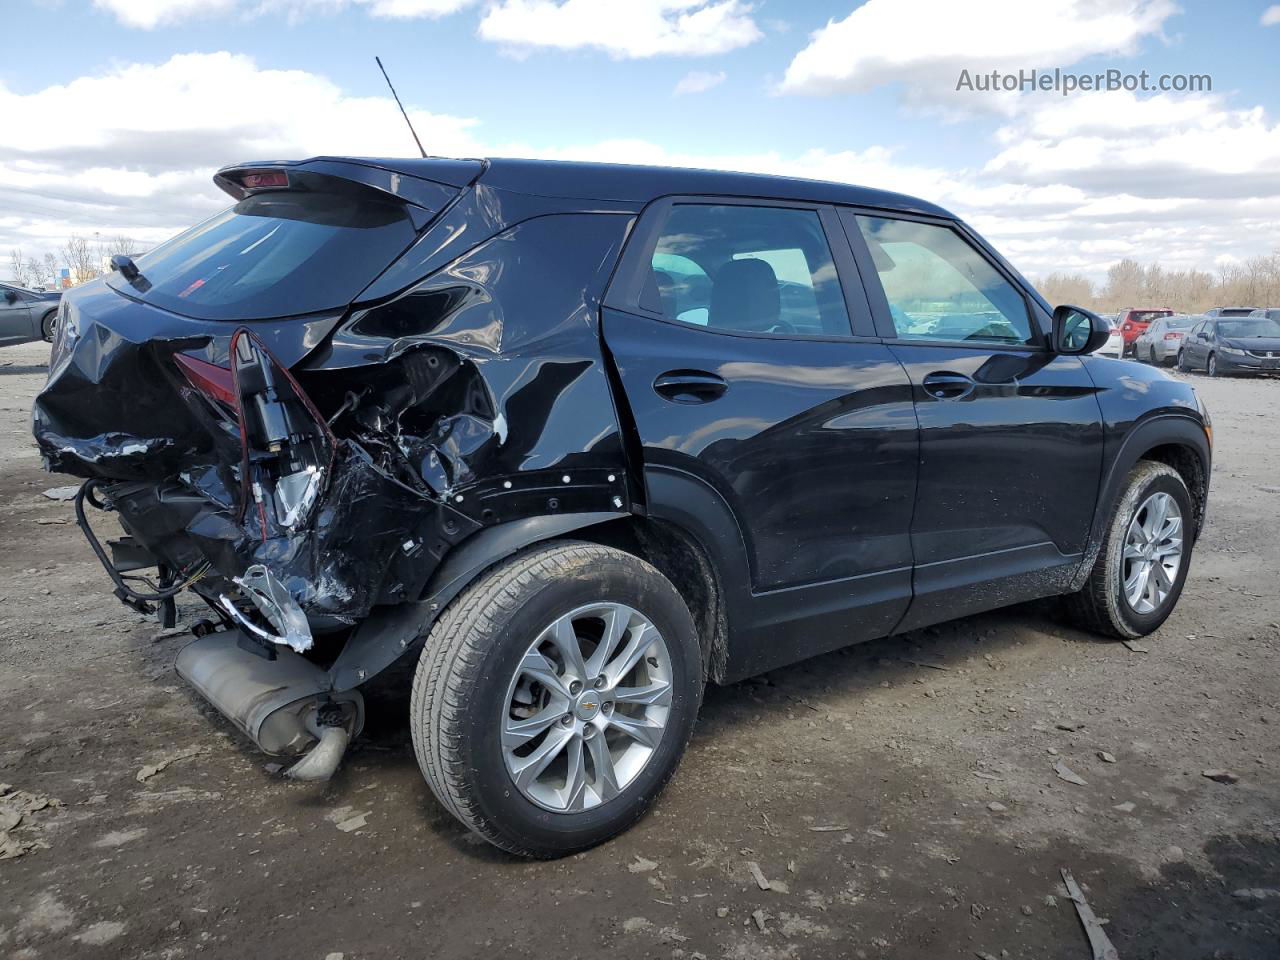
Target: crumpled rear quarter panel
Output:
[{"x": 477, "y": 395}]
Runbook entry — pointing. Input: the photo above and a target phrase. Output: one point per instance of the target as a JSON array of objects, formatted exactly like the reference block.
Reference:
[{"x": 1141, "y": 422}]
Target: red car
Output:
[{"x": 1134, "y": 322}]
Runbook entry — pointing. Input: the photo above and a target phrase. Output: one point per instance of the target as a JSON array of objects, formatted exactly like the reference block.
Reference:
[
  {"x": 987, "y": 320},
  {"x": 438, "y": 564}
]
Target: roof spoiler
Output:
[{"x": 330, "y": 175}]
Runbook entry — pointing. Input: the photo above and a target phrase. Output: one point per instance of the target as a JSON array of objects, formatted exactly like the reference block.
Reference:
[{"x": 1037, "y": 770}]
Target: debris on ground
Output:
[
  {"x": 760, "y": 917},
  {"x": 16, "y": 806},
  {"x": 1220, "y": 776},
  {"x": 1257, "y": 893},
  {"x": 830, "y": 828},
  {"x": 63, "y": 493},
  {"x": 1099, "y": 943},
  {"x": 995, "y": 806},
  {"x": 347, "y": 820},
  {"x": 641, "y": 865},
  {"x": 1106, "y": 757},
  {"x": 1066, "y": 773},
  {"x": 151, "y": 769},
  {"x": 1070, "y": 726},
  {"x": 756, "y": 872},
  {"x": 1126, "y": 807},
  {"x": 1135, "y": 646}
]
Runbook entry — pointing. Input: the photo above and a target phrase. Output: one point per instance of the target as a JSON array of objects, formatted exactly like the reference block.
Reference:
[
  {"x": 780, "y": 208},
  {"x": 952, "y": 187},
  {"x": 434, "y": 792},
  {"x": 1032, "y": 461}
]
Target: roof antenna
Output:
[{"x": 401, "y": 106}]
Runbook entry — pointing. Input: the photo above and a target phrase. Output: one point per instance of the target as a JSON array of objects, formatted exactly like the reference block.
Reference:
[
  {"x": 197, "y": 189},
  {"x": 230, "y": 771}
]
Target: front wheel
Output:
[
  {"x": 555, "y": 696},
  {"x": 1151, "y": 351},
  {"x": 49, "y": 326},
  {"x": 1142, "y": 563},
  {"x": 1211, "y": 365}
]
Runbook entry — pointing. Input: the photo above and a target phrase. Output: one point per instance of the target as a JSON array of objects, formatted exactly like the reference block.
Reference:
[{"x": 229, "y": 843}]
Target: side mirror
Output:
[
  {"x": 10, "y": 297},
  {"x": 1077, "y": 330}
]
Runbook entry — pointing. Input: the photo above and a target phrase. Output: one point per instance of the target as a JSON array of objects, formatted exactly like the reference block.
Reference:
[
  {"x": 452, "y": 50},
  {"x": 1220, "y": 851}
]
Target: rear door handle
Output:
[
  {"x": 946, "y": 385},
  {"x": 689, "y": 386}
]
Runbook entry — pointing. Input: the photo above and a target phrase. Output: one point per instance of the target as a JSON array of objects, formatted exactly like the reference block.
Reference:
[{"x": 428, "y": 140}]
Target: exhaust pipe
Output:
[{"x": 285, "y": 705}]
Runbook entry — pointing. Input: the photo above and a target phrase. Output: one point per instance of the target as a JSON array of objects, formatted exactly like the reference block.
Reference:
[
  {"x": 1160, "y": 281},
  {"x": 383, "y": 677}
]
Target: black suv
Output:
[{"x": 581, "y": 438}]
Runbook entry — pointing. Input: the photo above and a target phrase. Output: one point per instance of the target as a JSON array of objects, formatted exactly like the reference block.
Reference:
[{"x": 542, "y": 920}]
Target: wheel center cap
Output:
[{"x": 587, "y": 705}]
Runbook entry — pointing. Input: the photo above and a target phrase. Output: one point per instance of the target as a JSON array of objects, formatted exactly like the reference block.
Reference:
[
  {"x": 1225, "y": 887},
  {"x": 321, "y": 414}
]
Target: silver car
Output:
[{"x": 1159, "y": 343}]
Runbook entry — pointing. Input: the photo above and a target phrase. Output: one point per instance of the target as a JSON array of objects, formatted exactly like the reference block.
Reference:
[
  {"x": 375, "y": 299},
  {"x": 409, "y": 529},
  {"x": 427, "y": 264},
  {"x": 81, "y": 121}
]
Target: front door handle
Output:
[
  {"x": 689, "y": 386},
  {"x": 946, "y": 385}
]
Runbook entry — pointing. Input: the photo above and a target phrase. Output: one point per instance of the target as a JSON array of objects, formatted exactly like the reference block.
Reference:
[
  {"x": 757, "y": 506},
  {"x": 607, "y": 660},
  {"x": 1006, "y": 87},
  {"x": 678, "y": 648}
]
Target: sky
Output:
[{"x": 117, "y": 112}]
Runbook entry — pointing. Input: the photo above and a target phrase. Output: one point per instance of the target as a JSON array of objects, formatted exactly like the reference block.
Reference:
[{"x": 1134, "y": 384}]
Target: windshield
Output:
[
  {"x": 1249, "y": 328},
  {"x": 273, "y": 255}
]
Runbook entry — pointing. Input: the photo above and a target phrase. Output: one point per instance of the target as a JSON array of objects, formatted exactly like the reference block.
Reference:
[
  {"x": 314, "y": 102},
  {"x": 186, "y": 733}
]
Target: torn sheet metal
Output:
[{"x": 322, "y": 467}]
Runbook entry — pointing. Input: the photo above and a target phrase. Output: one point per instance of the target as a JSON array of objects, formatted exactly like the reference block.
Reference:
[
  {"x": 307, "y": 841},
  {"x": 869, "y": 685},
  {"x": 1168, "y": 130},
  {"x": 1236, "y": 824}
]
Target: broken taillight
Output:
[{"x": 210, "y": 379}]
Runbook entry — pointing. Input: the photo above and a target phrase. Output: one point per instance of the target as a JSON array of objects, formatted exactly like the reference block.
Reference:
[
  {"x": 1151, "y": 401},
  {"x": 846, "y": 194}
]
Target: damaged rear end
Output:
[{"x": 321, "y": 410}]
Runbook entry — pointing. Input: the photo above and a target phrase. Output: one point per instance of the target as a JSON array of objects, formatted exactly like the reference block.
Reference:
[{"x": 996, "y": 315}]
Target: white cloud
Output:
[
  {"x": 1072, "y": 184},
  {"x": 1271, "y": 16},
  {"x": 924, "y": 44},
  {"x": 147, "y": 172},
  {"x": 698, "y": 81},
  {"x": 150, "y": 14},
  {"x": 631, "y": 29}
]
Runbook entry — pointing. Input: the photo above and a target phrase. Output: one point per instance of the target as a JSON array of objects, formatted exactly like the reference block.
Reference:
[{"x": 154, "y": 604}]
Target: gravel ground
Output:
[{"x": 900, "y": 798}]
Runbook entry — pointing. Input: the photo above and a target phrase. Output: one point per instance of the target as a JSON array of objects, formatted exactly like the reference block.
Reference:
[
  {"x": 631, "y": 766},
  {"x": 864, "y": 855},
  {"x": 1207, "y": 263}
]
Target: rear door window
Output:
[
  {"x": 273, "y": 255},
  {"x": 940, "y": 288},
  {"x": 748, "y": 269}
]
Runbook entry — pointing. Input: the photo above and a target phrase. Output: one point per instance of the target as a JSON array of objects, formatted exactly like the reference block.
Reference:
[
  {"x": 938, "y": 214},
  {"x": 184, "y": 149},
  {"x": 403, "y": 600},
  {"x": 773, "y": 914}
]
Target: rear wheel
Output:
[
  {"x": 1142, "y": 563},
  {"x": 1182, "y": 361},
  {"x": 555, "y": 696},
  {"x": 1152, "y": 355},
  {"x": 1211, "y": 365},
  {"x": 49, "y": 326}
]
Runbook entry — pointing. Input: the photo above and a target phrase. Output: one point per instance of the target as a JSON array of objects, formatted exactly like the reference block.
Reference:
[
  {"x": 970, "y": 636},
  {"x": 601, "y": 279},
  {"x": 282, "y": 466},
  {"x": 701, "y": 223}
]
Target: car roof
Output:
[{"x": 629, "y": 182}]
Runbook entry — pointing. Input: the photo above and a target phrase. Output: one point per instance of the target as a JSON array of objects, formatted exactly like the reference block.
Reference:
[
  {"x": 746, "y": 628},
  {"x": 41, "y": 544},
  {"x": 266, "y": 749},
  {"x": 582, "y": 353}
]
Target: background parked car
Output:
[
  {"x": 1114, "y": 347},
  {"x": 27, "y": 314},
  {"x": 1159, "y": 343},
  {"x": 1271, "y": 313},
  {"x": 1222, "y": 345},
  {"x": 1230, "y": 311},
  {"x": 1134, "y": 321}
]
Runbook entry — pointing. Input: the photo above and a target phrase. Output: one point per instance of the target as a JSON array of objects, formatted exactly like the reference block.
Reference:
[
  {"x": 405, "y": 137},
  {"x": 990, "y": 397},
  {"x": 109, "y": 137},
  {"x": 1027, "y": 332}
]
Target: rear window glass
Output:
[
  {"x": 273, "y": 255},
  {"x": 1146, "y": 316},
  {"x": 1249, "y": 328}
]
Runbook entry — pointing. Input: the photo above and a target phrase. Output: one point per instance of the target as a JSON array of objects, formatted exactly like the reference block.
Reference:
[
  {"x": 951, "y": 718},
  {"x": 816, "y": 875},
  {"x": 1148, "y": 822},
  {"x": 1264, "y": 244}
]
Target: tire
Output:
[
  {"x": 1151, "y": 351},
  {"x": 1102, "y": 605},
  {"x": 1211, "y": 365},
  {"x": 469, "y": 680},
  {"x": 1182, "y": 362},
  {"x": 48, "y": 326}
]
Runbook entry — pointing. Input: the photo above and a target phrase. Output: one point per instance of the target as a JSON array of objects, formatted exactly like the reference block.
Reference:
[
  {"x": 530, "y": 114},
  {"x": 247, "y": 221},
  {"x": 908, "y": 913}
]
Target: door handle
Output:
[
  {"x": 689, "y": 386},
  {"x": 945, "y": 385}
]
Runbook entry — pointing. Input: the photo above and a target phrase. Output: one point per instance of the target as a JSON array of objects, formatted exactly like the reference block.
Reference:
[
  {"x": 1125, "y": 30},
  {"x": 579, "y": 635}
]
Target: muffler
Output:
[{"x": 285, "y": 705}]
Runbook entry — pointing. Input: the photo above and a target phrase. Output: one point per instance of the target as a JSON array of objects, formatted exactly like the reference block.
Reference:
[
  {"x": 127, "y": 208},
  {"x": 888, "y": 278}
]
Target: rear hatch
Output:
[
  {"x": 301, "y": 239},
  {"x": 170, "y": 390}
]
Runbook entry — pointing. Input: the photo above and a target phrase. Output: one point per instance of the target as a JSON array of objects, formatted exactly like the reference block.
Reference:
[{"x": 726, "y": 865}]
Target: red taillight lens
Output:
[
  {"x": 1173, "y": 336},
  {"x": 210, "y": 379},
  {"x": 268, "y": 180}
]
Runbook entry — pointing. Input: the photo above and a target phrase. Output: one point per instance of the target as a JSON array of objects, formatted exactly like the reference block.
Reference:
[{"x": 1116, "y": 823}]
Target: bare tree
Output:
[
  {"x": 1073, "y": 288},
  {"x": 81, "y": 257},
  {"x": 119, "y": 244},
  {"x": 25, "y": 272},
  {"x": 49, "y": 271}
]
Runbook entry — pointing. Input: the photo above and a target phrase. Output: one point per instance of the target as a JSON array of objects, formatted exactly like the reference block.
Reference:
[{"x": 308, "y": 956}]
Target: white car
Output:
[
  {"x": 1159, "y": 343},
  {"x": 1114, "y": 347}
]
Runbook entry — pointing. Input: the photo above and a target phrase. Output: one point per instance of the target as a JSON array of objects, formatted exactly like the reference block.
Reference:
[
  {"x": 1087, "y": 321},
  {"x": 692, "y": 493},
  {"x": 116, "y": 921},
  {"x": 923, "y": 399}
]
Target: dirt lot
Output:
[{"x": 897, "y": 809}]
